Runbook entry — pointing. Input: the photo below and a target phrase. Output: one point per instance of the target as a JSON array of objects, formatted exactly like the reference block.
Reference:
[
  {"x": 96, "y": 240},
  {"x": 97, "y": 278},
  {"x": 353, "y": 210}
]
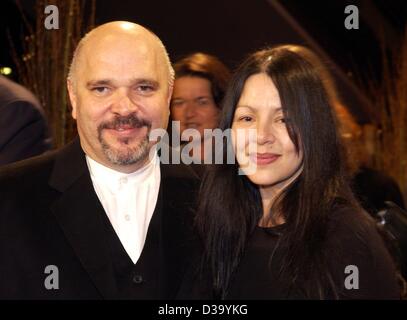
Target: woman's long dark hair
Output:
[{"x": 231, "y": 206}]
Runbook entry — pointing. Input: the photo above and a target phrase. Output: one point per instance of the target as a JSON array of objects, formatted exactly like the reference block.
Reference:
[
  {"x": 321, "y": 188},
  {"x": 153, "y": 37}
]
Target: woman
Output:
[
  {"x": 200, "y": 83},
  {"x": 371, "y": 187},
  {"x": 290, "y": 228}
]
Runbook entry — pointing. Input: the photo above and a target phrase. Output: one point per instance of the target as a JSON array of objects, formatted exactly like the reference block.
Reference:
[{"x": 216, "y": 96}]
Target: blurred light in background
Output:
[{"x": 6, "y": 71}]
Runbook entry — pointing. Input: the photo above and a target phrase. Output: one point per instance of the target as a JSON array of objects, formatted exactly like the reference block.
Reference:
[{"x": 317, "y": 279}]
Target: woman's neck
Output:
[
  {"x": 269, "y": 195},
  {"x": 269, "y": 219}
]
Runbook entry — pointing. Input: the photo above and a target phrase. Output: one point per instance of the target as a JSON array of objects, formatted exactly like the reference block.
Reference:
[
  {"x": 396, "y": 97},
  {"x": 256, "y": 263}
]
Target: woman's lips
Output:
[{"x": 264, "y": 158}]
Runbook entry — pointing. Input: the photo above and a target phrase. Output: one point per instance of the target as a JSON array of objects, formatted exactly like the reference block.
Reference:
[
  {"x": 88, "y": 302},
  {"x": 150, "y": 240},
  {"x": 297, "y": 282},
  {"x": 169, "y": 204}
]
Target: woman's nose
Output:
[
  {"x": 265, "y": 133},
  {"x": 190, "y": 110}
]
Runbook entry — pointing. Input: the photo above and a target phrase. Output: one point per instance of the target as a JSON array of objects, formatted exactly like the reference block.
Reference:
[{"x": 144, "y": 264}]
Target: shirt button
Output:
[
  {"x": 137, "y": 279},
  {"x": 123, "y": 180},
  {"x": 127, "y": 217}
]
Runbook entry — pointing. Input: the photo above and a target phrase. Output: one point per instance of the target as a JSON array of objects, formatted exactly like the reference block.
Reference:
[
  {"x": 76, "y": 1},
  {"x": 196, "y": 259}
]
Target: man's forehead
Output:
[
  {"x": 140, "y": 46},
  {"x": 119, "y": 56},
  {"x": 114, "y": 54},
  {"x": 139, "y": 62}
]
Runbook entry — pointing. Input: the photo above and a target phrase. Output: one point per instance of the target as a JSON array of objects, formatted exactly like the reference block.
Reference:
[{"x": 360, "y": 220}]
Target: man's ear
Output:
[
  {"x": 170, "y": 90},
  {"x": 72, "y": 97}
]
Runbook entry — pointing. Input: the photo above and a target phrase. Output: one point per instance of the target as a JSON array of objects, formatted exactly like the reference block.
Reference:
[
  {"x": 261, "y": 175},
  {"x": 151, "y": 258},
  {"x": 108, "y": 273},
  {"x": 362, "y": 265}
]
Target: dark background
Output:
[{"x": 231, "y": 29}]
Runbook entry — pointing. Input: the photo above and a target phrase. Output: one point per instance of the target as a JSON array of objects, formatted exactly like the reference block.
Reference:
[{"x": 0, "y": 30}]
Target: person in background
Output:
[
  {"x": 24, "y": 130},
  {"x": 291, "y": 228},
  {"x": 200, "y": 84},
  {"x": 372, "y": 187}
]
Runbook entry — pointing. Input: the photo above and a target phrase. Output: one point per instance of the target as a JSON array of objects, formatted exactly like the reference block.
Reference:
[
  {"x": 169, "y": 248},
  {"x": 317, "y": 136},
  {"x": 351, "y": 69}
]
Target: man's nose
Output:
[{"x": 123, "y": 104}]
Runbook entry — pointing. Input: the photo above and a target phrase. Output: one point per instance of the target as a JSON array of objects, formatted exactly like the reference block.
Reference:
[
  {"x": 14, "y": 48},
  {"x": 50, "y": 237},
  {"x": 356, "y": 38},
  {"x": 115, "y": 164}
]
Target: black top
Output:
[
  {"x": 352, "y": 240},
  {"x": 256, "y": 277}
]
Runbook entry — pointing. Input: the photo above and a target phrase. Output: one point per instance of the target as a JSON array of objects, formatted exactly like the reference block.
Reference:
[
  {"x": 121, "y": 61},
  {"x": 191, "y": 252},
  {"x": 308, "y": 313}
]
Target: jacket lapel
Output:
[{"x": 79, "y": 214}]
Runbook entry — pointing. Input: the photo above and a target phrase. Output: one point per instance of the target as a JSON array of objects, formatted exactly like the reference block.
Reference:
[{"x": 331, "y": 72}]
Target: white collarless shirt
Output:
[{"x": 129, "y": 200}]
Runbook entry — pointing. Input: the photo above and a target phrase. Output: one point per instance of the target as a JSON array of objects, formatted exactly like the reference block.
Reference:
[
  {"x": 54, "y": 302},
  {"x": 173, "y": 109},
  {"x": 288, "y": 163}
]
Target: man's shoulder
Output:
[
  {"x": 180, "y": 184},
  {"x": 172, "y": 167},
  {"x": 179, "y": 171}
]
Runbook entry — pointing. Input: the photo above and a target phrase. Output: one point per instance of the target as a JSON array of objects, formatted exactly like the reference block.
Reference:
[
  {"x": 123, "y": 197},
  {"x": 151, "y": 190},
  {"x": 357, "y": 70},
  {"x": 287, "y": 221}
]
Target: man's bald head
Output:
[
  {"x": 113, "y": 31},
  {"x": 120, "y": 86}
]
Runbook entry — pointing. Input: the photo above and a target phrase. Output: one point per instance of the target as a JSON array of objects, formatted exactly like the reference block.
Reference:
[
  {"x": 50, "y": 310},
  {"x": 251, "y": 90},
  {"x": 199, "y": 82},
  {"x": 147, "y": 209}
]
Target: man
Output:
[
  {"x": 23, "y": 127},
  {"x": 102, "y": 218}
]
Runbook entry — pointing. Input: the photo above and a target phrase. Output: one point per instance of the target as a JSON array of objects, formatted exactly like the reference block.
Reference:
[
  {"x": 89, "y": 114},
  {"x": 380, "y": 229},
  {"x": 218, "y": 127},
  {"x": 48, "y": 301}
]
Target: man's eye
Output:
[
  {"x": 100, "y": 90},
  {"x": 145, "y": 88}
]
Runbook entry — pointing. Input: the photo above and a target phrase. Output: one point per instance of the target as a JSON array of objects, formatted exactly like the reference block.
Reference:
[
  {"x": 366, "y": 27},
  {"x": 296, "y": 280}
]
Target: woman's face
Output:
[
  {"x": 270, "y": 152},
  {"x": 192, "y": 104}
]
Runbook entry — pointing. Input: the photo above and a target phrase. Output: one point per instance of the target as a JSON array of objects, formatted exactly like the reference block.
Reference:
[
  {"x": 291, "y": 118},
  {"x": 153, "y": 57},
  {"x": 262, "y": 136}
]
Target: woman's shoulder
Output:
[
  {"x": 352, "y": 231},
  {"x": 359, "y": 256},
  {"x": 347, "y": 221}
]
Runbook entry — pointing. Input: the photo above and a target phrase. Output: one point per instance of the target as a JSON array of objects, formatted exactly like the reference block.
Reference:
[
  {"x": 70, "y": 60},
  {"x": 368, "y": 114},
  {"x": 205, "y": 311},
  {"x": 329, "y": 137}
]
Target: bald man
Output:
[{"x": 102, "y": 218}]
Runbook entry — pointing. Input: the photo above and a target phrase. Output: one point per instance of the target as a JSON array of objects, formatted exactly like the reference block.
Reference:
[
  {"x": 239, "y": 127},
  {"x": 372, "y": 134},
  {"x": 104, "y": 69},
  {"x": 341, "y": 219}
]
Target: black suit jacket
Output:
[
  {"x": 51, "y": 215},
  {"x": 23, "y": 128}
]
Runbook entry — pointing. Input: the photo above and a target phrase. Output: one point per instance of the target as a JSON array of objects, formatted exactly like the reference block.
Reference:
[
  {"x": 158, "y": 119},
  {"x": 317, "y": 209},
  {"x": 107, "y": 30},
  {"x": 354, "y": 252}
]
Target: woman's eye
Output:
[
  {"x": 176, "y": 103},
  {"x": 203, "y": 102},
  {"x": 281, "y": 120},
  {"x": 246, "y": 119}
]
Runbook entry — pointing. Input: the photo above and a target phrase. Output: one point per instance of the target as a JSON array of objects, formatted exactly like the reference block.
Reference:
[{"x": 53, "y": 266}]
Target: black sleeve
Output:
[
  {"x": 361, "y": 265},
  {"x": 23, "y": 132}
]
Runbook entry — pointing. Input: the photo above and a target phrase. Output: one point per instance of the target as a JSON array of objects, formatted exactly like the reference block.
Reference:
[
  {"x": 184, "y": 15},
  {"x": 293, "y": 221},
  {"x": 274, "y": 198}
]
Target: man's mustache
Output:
[{"x": 131, "y": 121}]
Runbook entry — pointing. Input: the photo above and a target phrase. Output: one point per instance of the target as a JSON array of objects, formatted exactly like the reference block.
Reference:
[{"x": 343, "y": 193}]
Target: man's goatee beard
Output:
[{"x": 130, "y": 155}]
